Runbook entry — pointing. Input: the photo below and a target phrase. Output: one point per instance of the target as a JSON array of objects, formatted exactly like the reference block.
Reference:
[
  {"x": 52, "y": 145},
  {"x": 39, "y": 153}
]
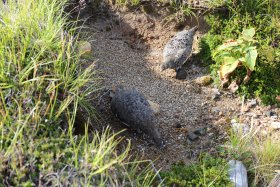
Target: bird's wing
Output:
[{"x": 182, "y": 56}]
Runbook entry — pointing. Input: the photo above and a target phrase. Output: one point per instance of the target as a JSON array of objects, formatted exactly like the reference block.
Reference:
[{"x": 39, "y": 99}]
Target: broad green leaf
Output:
[
  {"x": 228, "y": 44},
  {"x": 268, "y": 53},
  {"x": 248, "y": 48},
  {"x": 230, "y": 64},
  {"x": 248, "y": 34},
  {"x": 250, "y": 59},
  {"x": 242, "y": 59}
]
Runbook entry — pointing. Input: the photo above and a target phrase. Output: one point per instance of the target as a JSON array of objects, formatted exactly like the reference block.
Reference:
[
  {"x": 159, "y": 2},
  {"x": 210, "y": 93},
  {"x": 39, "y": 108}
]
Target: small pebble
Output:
[
  {"x": 215, "y": 94},
  {"x": 200, "y": 131},
  {"x": 210, "y": 134},
  {"x": 269, "y": 113},
  {"x": 192, "y": 136},
  {"x": 178, "y": 125},
  {"x": 252, "y": 103},
  {"x": 215, "y": 97},
  {"x": 275, "y": 125}
]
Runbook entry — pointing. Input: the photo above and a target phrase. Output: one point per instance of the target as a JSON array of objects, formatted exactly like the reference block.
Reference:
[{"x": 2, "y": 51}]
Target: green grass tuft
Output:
[
  {"x": 261, "y": 155},
  {"x": 43, "y": 84}
]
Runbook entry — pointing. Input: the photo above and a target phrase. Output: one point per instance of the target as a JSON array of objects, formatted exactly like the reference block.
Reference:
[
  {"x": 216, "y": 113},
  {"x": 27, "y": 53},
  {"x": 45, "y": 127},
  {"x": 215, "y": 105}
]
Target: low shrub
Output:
[
  {"x": 207, "y": 171},
  {"x": 242, "y": 14}
]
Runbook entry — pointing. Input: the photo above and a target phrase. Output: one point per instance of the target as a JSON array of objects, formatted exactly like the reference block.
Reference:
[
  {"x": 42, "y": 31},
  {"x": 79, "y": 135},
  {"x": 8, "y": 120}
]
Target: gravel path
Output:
[{"x": 181, "y": 102}]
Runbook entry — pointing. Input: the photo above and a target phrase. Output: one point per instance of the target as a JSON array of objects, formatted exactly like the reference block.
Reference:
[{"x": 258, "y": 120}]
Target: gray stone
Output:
[
  {"x": 215, "y": 97},
  {"x": 233, "y": 87},
  {"x": 215, "y": 94},
  {"x": 270, "y": 113},
  {"x": 238, "y": 173},
  {"x": 201, "y": 131},
  {"x": 252, "y": 103},
  {"x": 178, "y": 125},
  {"x": 275, "y": 125},
  {"x": 215, "y": 110},
  {"x": 192, "y": 136},
  {"x": 177, "y": 50}
]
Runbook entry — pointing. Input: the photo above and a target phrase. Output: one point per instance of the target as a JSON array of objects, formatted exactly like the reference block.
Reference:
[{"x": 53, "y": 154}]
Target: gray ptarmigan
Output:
[
  {"x": 178, "y": 49},
  {"x": 132, "y": 108}
]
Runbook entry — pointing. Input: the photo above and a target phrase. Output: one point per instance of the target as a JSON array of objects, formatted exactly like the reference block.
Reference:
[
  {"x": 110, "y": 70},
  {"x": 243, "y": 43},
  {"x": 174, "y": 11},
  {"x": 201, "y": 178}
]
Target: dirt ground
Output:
[{"x": 127, "y": 47}]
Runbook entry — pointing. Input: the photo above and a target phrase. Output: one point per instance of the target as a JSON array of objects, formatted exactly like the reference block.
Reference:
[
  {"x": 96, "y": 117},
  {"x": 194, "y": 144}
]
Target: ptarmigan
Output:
[
  {"x": 132, "y": 108},
  {"x": 178, "y": 49}
]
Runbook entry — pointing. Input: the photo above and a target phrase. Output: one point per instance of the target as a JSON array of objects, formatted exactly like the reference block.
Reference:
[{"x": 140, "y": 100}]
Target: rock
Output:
[
  {"x": 84, "y": 48},
  {"x": 192, "y": 136},
  {"x": 238, "y": 173},
  {"x": 178, "y": 50},
  {"x": 233, "y": 87},
  {"x": 275, "y": 125},
  {"x": 215, "y": 97},
  {"x": 201, "y": 131},
  {"x": 178, "y": 125},
  {"x": 204, "y": 80},
  {"x": 215, "y": 110},
  {"x": 252, "y": 103},
  {"x": 269, "y": 113},
  {"x": 215, "y": 94},
  {"x": 133, "y": 109}
]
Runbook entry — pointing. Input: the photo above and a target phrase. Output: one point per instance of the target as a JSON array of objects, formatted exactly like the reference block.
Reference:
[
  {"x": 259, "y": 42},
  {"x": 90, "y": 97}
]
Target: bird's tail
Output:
[{"x": 194, "y": 29}]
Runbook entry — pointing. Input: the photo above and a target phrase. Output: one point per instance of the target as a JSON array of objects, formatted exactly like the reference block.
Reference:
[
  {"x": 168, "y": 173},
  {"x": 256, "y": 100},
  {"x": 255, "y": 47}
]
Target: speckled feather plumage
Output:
[
  {"x": 132, "y": 108},
  {"x": 178, "y": 49}
]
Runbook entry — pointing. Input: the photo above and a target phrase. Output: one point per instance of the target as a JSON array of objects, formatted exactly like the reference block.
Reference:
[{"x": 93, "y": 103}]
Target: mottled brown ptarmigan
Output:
[
  {"x": 132, "y": 108},
  {"x": 178, "y": 49}
]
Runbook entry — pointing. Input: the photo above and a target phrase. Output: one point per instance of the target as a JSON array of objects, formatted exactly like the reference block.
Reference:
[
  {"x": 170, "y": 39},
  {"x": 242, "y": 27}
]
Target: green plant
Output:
[
  {"x": 264, "y": 17},
  {"x": 237, "y": 52},
  {"x": 208, "y": 171}
]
